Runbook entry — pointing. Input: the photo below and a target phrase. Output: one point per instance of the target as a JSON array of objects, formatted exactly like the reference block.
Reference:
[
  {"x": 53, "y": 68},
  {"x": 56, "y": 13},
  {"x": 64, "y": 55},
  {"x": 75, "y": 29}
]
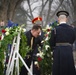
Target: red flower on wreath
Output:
[
  {"x": 3, "y": 31},
  {"x": 39, "y": 59},
  {"x": 48, "y": 30}
]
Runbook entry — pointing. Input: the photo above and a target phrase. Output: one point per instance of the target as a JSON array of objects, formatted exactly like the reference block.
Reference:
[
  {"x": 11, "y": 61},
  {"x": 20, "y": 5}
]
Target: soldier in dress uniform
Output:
[
  {"x": 38, "y": 20},
  {"x": 61, "y": 40},
  {"x": 36, "y": 68},
  {"x": 32, "y": 41}
]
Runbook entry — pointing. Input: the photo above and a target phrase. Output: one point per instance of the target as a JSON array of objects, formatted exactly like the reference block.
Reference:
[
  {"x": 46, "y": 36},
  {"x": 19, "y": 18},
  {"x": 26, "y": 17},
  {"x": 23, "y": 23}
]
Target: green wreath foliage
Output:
[
  {"x": 23, "y": 48},
  {"x": 9, "y": 34}
]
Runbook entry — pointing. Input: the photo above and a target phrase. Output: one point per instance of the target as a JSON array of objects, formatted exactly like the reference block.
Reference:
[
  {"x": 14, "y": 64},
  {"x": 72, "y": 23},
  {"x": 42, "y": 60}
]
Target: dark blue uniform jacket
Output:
[{"x": 63, "y": 63}]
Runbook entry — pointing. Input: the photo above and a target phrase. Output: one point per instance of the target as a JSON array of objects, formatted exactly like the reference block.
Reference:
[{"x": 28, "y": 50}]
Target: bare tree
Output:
[
  {"x": 74, "y": 7},
  {"x": 8, "y": 8},
  {"x": 48, "y": 12}
]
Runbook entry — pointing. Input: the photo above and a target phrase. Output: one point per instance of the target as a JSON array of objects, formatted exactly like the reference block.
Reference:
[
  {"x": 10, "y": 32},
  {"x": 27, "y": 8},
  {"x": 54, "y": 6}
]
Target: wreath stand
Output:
[{"x": 14, "y": 58}]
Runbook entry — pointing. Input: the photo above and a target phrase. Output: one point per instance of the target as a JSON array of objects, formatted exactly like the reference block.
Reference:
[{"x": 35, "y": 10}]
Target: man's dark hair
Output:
[{"x": 36, "y": 27}]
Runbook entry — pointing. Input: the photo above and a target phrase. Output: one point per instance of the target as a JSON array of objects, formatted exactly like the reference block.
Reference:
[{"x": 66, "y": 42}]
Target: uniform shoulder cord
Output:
[{"x": 32, "y": 42}]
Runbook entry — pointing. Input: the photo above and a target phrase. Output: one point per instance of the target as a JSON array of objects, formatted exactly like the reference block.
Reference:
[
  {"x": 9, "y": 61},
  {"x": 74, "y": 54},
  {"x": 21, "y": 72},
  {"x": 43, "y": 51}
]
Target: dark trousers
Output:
[{"x": 28, "y": 61}]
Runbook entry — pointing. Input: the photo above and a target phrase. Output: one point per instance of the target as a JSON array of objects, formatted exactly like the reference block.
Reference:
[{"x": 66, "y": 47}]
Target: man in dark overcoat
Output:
[
  {"x": 32, "y": 41},
  {"x": 61, "y": 40}
]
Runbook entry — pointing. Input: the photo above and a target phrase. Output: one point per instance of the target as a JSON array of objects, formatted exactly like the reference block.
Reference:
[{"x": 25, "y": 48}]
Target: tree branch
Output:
[{"x": 28, "y": 1}]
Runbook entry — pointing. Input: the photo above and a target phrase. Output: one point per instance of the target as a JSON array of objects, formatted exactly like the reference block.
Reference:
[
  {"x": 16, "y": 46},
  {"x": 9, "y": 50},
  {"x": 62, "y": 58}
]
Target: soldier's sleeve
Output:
[{"x": 75, "y": 32}]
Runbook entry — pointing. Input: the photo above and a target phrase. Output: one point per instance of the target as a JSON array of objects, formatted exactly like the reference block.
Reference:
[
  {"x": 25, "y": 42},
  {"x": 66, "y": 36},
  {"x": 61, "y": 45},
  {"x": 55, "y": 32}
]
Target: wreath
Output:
[
  {"x": 6, "y": 39},
  {"x": 44, "y": 57}
]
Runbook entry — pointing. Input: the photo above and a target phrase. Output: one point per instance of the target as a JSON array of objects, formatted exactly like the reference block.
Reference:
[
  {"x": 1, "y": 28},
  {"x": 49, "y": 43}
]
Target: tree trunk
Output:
[
  {"x": 7, "y": 9},
  {"x": 3, "y": 10}
]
